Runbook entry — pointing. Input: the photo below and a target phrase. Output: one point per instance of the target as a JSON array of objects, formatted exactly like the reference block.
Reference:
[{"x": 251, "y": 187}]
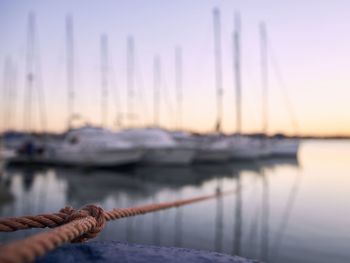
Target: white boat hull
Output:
[
  {"x": 115, "y": 157},
  {"x": 86, "y": 159},
  {"x": 5, "y": 156},
  {"x": 6, "y": 153},
  {"x": 285, "y": 148},
  {"x": 250, "y": 151},
  {"x": 169, "y": 156}
]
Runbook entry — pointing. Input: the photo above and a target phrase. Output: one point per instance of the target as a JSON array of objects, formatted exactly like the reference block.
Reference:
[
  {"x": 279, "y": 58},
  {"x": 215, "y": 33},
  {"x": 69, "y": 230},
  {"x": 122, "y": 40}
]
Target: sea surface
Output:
[{"x": 285, "y": 210}]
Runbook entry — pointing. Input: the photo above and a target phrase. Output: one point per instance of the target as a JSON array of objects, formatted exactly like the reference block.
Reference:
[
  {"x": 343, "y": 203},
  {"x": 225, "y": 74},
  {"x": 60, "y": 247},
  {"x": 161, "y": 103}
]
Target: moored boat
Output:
[
  {"x": 87, "y": 146},
  {"x": 213, "y": 151},
  {"x": 91, "y": 146},
  {"x": 159, "y": 146},
  {"x": 284, "y": 147},
  {"x": 243, "y": 148}
]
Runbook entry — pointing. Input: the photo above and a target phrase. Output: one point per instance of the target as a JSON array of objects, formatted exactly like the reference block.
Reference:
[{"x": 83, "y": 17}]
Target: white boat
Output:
[
  {"x": 210, "y": 149},
  {"x": 210, "y": 155},
  {"x": 243, "y": 148},
  {"x": 278, "y": 146},
  {"x": 89, "y": 146},
  {"x": 213, "y": 151},
  {"x": 6, "y": 152},
  {"x": 284, "y": 147},
  {"x": 254, "y": 148},
  {"x": 214, "y": 148},
  {"x": 159, "y": 146},
  {"x": 5, "y": 156}
]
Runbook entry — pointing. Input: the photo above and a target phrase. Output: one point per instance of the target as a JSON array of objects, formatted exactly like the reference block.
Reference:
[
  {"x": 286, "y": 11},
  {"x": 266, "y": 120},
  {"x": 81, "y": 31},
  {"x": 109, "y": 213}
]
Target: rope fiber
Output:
[{"x": 71, "y": 225}]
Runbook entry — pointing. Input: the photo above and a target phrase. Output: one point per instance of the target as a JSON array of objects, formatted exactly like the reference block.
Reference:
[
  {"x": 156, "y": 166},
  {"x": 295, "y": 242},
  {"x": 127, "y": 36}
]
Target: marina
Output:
[
  {"x": 235, "y": 224},
  {"x": 195, "y": 132}
]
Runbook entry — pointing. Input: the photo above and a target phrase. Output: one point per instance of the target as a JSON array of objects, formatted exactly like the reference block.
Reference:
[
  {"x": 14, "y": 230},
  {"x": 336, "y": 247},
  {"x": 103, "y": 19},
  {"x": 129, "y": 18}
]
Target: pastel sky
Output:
[{"x": 310, "y": 41}]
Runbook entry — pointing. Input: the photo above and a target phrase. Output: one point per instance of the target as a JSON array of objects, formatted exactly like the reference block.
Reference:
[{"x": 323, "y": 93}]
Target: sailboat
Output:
[
  {"x": 265, "y": 146},
  {"x": 88, "y": 146},
  {"x": 241, "y": 147},
  {"x": 159, "y": 146},
  {"x": 249, "y": 148},
  {"x": 252, "y": 148},
  {"x": 215, "y": 148},
  {"x": 276, "y": 146},
  {"x": 30, "y": 148}
]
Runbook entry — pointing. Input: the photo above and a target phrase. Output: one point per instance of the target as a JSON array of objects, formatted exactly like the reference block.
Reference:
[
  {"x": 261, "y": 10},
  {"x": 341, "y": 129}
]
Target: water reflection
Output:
[
  {"x": 219, "y": 216},
  {"x": 286, "y": 217},
  {"x": 264, "y": 254},
  {"x": 178, "y": 225},
  {"x": 228, "y": 224},
  {"x": 237, "y": 233}
]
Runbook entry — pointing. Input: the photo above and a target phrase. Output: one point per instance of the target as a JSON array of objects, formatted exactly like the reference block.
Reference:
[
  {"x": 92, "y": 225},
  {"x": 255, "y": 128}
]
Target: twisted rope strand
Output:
[
  {"x": 57, "y": 219},
  {"x": 27, "y": 250},
  {"x": 25, "y": 222},
  {"x": 76, "y": 226}
]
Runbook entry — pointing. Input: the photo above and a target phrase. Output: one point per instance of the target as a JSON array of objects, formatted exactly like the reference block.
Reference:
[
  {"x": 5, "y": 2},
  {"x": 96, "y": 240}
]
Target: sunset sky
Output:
[{"x": 310, "y": 41}]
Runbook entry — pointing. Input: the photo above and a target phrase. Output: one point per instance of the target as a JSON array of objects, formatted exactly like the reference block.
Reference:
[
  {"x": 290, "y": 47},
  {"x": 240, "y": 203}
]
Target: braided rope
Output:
[
  {"x": 25, "y": 222},
  {"x": 27, "y": 250},
  {"x": 57, "y": 219},
  {"x": 76, "y": 226}
]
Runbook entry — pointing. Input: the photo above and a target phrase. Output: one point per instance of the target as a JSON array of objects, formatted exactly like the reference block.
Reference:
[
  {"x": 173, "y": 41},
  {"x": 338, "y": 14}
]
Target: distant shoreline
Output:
[{"x": 253, "y": 135}]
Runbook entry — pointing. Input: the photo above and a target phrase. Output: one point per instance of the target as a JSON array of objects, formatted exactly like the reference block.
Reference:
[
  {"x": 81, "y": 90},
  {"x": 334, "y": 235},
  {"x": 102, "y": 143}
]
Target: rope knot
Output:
[
  {"x": 68, "y": 210},
  {"x": 89, "y": 210}
]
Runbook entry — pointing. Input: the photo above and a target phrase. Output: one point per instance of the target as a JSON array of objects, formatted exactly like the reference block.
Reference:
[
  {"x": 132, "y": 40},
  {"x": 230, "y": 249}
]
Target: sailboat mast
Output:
[
  {"x": 218, "y": 66},
  {"x": 237, "y": 72},
  {"x": 70, "y": 69},
  {"x": 104, "y": 79},
  {"x": 30, "y": 68},
  {"x": 5, "y": 99},
  {"x": 11, "y": 95},
  {"x": 130, "y": 76},
  {"x": 178, "y": 84},
  {"x": 156, "y": 92},
  {"x": 264, "y": 76}
]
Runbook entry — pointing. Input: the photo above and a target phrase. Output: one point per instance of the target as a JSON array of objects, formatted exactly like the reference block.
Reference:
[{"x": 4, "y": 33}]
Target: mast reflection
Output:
[
  {"x": 264, "y": 253},
  {"x": 178, "y": 225},
  {"x": 237, "y": 229},
  {"x": 219, "y": 217},
  {"x": 286, "y": 217},
  {"x": 156, "y": 226}
]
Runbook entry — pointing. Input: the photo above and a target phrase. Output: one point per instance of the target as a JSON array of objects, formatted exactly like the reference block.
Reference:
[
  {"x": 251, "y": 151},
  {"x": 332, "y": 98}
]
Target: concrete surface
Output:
[{"x": 113, "y": 251}]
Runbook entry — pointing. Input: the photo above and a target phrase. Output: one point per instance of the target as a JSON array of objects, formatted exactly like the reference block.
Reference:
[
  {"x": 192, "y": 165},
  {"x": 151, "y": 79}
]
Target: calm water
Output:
[{"x": 286, "y": 211}]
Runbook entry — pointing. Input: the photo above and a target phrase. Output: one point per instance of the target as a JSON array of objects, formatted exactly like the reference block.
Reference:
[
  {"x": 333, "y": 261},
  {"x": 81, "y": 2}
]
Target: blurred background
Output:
[
  {"x": 308, "y": 40},
  {"x": 124, "y": 103}
]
